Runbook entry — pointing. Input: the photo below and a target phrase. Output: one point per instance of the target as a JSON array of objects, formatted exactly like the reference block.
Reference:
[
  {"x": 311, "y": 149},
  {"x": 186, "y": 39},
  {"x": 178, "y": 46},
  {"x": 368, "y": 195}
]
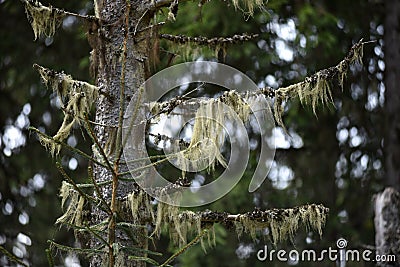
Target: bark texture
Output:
[
  {"x": 118, "y": 41},
  {"x": 387, "y": 225}
]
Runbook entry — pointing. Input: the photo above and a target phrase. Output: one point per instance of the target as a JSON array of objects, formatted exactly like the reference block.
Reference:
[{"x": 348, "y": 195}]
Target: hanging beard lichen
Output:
[
  {"x": 179, "y": 224},
  {"x": 137, "y": 201},
  {"x": 208, "y": 131},
  {"x": 315, "y": 89},
  {"x": 248, "y": 6},
  {"x": 73, "y": 214},
  {"x": 282, "y": 223},
  {"x": 79, "y": 97},
  {"x": 44, "y": 20}
]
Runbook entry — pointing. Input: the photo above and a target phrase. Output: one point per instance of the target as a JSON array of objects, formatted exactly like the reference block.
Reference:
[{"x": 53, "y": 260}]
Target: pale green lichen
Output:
[
  {"x": 73, "y": 213},
  {"x": 248, "y": 6},
  {"x": 211, "y": 240},
  {"x": 282, "y": 224},
  {"x": 166, "y": 214},
  {"x": 140, "y": 202},
  {"x": 65, "y": 192},
  {"x": 178, "y": 224},
  {"x": 44, "y": 20},
  {"x": 79, "y": 97},
  {"x": 208, "y": 131},
  {"x": 315, "y": 89}
]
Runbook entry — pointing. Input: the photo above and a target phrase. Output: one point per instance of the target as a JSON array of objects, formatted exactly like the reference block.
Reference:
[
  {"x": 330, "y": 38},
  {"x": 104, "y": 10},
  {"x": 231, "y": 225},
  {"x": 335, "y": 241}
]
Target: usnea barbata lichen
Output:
[
  {"x": 44, "y": 20},
  {"x": 208, "y": 131},
  {"x": 73, "y": 213},
  {"x": 282, "y": 224},
  {"x": 315, "y": 89},
  {"x": 78, "y": 96},
  {"x": 179, "y": 224},
  {"x": 137, "y": 201},
  {"x": 248, "y": 6}
]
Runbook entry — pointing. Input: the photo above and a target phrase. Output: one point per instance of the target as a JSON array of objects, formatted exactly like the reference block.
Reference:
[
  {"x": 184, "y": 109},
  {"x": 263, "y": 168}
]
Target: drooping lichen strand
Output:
[
  {"x": 315, "y": 89},
  {"x": 137, "y": 201},
  {"x": 64, "y": 192},
  {"x": 248, "y": 6},
  {"x": 179, "y": 225},
  {"x": 73, "y": 213},
  {"x": 44, "y": 20},
  {"x": 282, "y": 224},
  {"x": 208, "y": 131},
  {"x": 78, "y": 97}
]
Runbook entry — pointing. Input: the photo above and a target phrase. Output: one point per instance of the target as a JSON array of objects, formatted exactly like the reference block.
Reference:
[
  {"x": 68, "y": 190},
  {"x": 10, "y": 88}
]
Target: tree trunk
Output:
[
  {"x": 118, "y": 55},
  {"x": 387, "y": 225}
]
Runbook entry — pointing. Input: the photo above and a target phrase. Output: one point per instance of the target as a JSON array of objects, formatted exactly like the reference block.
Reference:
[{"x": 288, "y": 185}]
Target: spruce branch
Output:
[
  {"x": 84, "y": 251},
  {"x": 49, "y": 257},
  {"x": 311, "y": 91},
  {"x": 72, "y": 182},
  {"x": 12, "y": 257},
  {"x": 79, "y": 97},
  {"x": 282, "y": 223},
  {"x": 216, "y": 41},
  {"x": 46, "y": 19},
  {"x": 246, "y": 6},
  {"x": 46, "y": 140},
  {"x": 186, "y": 247}
]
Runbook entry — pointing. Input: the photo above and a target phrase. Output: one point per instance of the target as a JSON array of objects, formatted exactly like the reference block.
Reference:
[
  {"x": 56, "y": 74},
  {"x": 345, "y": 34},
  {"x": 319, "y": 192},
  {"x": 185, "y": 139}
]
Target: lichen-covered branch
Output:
[
  {"x": 46, "y": 19},
  {"x": 315, "y": 88},
  {"x": 311, "y": 91},
  {"x": 216, "y": 41},
  {"x": 246, "y": 6},
  {"x": 281, "y": 223},
  {"x": 79, "y": 97}
]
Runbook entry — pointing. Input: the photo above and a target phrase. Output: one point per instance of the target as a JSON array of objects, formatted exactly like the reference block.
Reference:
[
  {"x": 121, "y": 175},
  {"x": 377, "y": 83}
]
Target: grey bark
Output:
[
  {"x": 107, "y": 57},
  {"x": 392, "y": 84},
  {"x": 387, "y": 225}
]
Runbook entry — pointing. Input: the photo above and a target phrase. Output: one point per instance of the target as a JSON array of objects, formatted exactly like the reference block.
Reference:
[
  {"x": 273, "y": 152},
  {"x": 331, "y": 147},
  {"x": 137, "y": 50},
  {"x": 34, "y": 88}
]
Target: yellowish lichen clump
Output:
[
  {"x": 79, "y": 97},
  {"x": 44, "y": 20},
  {"x": 315, "y": 89},
  {"x": 282, "y": 224},
  {"x": 208, "y": 131},
  {"x": 73, "y": 213},
  {"x": 248, "y": 6}
]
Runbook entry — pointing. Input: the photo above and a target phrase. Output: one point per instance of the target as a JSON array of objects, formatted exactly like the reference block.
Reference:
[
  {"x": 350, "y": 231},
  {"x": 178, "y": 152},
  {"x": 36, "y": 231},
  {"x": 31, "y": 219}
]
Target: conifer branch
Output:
[
  {"x": 45, "y": 19},
  {"x": 72, "y": 182},
  {"x": 84, "y": 251},
  {"x": 311, "y": 91},
  {"x": 282, "y": 223},
  {"x": 216, "y": 41},
  {"x": 49, "y": 139},
  {"x": 12, "y": 257}
]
